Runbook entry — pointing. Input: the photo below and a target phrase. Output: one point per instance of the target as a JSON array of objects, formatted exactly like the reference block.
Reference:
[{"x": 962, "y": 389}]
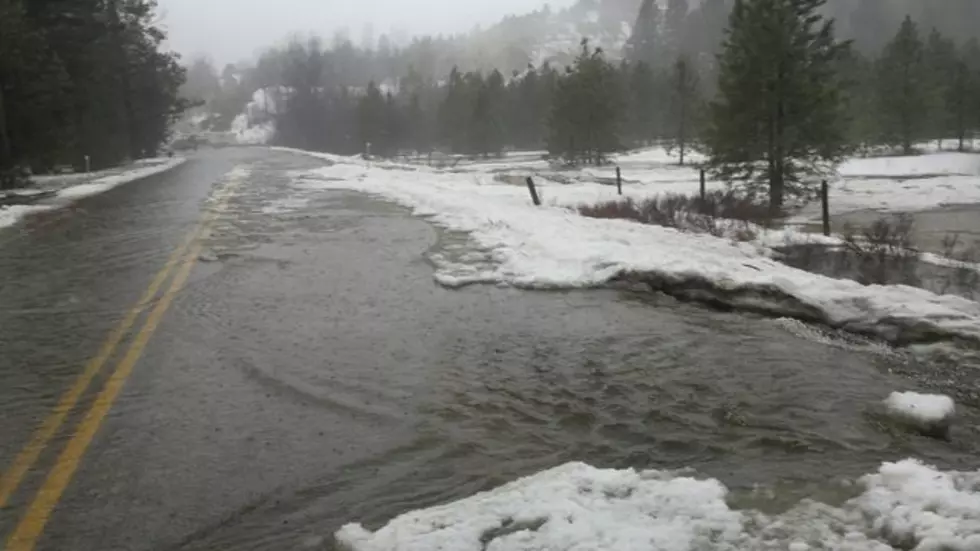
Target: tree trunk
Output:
[
  {"x": 682, "y": 131},
  {"x": 6, "y": 153}
]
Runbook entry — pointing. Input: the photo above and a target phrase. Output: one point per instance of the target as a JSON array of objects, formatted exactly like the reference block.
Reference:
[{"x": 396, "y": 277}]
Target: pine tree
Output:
[
  {"x": 647, "y": 41},
  {"x": 940, "y": 66},
  {"x": 372, "y": 122},
  {"x": 967, "y": 92},
  {"x": 859, "y": 94},
  {"x": 685, "y": 101},
  {"x": 778, "y": 116},
  {"x": 903, "y": 88},
  {"x": 454, "y": 112},
  {"x": 675, "y": 27},
  {"x": 587, "y": 111},
  {"x": 35, "y": 108},
  {"x": 645, "y": 104},
  {"x": 487, "y": 131}
]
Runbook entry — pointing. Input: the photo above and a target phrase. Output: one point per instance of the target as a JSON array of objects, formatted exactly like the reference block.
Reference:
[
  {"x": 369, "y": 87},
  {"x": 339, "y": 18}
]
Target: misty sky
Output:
[{"x": 233, "y": 30}]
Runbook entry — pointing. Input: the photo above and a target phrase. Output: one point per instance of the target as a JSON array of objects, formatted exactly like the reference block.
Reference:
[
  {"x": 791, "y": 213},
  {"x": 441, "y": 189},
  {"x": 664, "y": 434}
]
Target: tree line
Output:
[
  {"x": 83, "y": 82},
  {"x": 581, "y": 113}
]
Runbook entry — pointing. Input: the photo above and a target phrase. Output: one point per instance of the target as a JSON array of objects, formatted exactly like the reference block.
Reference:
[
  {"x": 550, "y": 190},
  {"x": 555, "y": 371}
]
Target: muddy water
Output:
[{"x": 467, "y": 389}]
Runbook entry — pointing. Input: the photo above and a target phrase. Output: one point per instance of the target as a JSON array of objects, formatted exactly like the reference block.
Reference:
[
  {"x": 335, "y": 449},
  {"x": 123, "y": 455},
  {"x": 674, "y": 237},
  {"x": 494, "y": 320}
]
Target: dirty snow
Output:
[
  {"x": 70, "y": 187},
  {"x": 575, "y": 506},
  {"x": 149, "y": 168},
  {"x": 10, "y": 215},
  {"x": 555, "y": 247}
]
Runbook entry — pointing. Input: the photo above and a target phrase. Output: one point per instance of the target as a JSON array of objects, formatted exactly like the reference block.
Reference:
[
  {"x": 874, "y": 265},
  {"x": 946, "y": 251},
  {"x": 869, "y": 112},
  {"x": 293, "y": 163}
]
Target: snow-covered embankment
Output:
[
  {"x": 68, "y": 188},
  {"x": 555, "y": 247}
]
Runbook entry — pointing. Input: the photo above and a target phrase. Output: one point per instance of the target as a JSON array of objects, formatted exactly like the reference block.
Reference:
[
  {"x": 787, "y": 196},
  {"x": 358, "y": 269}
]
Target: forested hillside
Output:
[{"x": 83, "y": 79}]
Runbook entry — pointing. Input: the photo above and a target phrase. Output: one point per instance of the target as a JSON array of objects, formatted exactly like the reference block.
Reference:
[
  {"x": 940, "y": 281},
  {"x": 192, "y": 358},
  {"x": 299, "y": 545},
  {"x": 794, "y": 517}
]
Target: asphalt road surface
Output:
[{"x": 213, "y": 358}]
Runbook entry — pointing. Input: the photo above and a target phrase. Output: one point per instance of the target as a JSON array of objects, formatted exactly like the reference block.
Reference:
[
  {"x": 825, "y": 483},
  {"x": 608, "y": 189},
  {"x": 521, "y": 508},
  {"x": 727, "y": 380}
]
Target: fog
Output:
[{"x": 232, "y": 30}]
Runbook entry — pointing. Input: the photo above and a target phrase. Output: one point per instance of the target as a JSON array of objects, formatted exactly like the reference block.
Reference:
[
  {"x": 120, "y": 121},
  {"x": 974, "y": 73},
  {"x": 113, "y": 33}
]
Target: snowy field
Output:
[
  {"x": 886, "y": 184},
  {"x": 71, "y": 187},
  {"x": 515, "y": 243},
  {"x": 904, "y": 184},
  {"x": 905, "y": 505}
]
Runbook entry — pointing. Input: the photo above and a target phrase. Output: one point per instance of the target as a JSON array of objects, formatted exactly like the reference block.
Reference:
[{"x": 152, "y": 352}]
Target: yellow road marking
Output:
[
  {"x": 30, "y": 527},
  {"x": 25, "y": 536},
  {"x": 12, "y": 478}
]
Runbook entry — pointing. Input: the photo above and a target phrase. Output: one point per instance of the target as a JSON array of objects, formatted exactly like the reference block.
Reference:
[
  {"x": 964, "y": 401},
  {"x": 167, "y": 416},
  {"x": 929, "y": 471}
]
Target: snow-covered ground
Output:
[
  {"x": 514, "y": 243},
  {"x": 887, "y": 184},
  {"x": 904, "y": 184},
  {"x": 904, "y": 505},
  {"x": 71, "y": 187}
]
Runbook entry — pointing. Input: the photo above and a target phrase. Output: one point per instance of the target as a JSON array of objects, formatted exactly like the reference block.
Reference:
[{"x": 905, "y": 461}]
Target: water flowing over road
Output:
[{"x": 310, "y": 372}]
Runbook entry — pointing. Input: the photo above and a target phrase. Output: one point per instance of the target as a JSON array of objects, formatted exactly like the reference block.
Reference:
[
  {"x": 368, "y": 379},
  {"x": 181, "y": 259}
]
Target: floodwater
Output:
[{"x": 312, "y": 373}]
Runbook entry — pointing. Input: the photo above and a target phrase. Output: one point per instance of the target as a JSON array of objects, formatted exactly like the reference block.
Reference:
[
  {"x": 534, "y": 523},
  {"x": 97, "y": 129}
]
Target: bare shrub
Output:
[
  {"x": 963, "y": 276},
  {"x": 882, "y": 253},
  {"x": 720, "y": 214}
]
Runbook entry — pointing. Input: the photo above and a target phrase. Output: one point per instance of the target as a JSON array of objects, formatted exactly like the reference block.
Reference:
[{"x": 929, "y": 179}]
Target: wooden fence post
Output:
[
  {"x": 703, "y": 190},
  {"x": 825, "y": 204},
  {"x": 619, "y": 181},
  {"x": 534, "y": 192}
]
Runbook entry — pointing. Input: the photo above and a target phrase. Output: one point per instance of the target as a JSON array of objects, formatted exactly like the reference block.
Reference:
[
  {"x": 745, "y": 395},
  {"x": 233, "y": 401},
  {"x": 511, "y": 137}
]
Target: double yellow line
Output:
[{"x": 32, "y": 524}]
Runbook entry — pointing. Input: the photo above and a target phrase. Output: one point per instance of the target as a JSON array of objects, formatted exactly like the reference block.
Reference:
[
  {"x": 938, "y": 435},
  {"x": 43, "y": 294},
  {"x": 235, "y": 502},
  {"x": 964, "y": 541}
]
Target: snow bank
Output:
[
  {"x": 575, "y": 506},
  {"x": 101, "y": 185},
  {"x": 10, "y": 215},
  {"x": 930, "y": 414},
  {"x": 555, "y": 247}
]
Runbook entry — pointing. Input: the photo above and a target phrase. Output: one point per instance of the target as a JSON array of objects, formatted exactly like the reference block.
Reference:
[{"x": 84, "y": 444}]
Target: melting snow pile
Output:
[
  {"x": 101, "y": 185},
  {"x": 555, "y": 247},
  {"x": 256, "y": 125},
  {"x": 904, "y": 505},
  {"x": 930, "y": 414}
]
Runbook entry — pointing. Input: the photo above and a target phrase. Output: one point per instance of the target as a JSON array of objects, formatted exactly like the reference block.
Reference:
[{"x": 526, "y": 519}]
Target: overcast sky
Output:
[{"x": 233, "y": 30}]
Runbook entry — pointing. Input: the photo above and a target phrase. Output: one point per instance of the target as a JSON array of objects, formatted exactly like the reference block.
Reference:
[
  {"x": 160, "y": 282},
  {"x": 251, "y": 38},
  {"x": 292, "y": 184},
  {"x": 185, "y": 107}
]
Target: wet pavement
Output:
[{"x": 311, "y": 373}]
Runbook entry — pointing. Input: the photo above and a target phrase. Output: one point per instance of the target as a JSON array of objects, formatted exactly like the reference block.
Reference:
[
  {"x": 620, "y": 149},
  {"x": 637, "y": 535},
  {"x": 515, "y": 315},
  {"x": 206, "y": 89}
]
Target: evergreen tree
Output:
[
  {"x": 645, "y": 104},
  {"x": 859, "y": 94},
  {"x": 940, "y": 66},
  {"x": 778, "y": 116},
  {"x": 454, "y": 112},
  {"x": 675, "y": 27},
  {"x": 587, "y": 110},
  {"x": 685, "y": 101},
  {"x": 964, "y": 95},
  {"x": 486, "y": 130},
  {"x": 372, "y": 122},
  {"x": 83, "y": 78},
  {"x": 646, "y": 44},
  {"x": 903, "y": 88},
  {"x": 35, "y": 108}
]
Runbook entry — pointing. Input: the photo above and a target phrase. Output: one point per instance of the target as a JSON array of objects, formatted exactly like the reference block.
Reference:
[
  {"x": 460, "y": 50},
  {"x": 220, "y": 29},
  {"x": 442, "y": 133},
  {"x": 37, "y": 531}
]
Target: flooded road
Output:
[{"x": 311, "y": 373}]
